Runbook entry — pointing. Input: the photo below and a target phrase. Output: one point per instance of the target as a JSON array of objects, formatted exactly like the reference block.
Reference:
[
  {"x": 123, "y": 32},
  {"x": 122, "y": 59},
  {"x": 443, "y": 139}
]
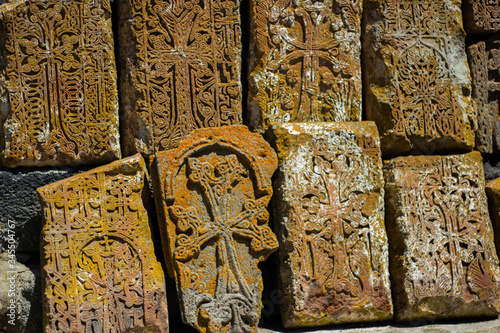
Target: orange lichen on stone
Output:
[
  {"x": 443, "y": 260},
  {"x": 417, "y": 82},
  {"x": 481, "y": 16},
  {"x": 180, "y": 70},
  {"x": 329, "y": 211},
  {"x": 304, "y": 61},
  {"x": 484, "y": 60},
  {"x": 100, "y": 272},
  {"x": 58, "y": 95},
  {"x": 212, "y": 193}
]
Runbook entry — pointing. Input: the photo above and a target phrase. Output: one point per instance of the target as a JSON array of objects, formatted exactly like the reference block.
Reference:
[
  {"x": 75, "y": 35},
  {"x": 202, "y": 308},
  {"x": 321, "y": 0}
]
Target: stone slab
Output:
[
  {"x": 417, "y": 84},
  {"x": 329, "y": 213},
  {"x": 58, "y": 94},
  {"x": 481, "y": 16},
  {"x": 305, "y": 62},
  {"x": 99, "y": 269},
  {"x": 180, "y": 70},
  {"x": 212, "y": 193},
  {"x": 493, "y": 193},
  {"x": 443, "y": 260}
]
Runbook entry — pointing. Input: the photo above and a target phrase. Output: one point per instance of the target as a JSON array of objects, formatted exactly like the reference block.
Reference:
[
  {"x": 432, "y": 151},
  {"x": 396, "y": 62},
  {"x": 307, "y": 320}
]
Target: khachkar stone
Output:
[
  {"x": 482, "y": 16},
  {"x": 417, "y": 81},
  {"x": 100, "y": 272},
  {"x": 443, "y": 261},
  {"x": 493, "y": 193},
  {"x": 329, "y": 209},
  {"x": 305, "y": 61},
  {"x": 181, "y": 69},
  {"x": 484, "y": 60},
  {"x": 212, "y": 193},
  {"x": 58, "y": 96}
]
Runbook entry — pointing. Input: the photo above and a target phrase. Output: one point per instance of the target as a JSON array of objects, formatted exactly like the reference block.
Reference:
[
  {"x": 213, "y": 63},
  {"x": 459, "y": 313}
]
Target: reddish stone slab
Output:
[
  {"x": 58, "y": 95},
  {"x": 304, "y": 61},
  {"x": 212, "y": 193},
  {"x": 100, "y": 272},
  {"x": 443, "y": 260},
  {"x": 493, "y": 193},
  {"x": 481, "y": 16},
  {"x": 417, "y": 82},
  {"x": 180, "y": 70}
]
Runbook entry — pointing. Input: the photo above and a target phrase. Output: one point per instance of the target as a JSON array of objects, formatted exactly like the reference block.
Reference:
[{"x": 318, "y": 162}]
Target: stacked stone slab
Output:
[
  {"x": 212, "y": 193},
  {"x": 58, "y": 95},
  {"x": 329, "y": 209},
  {"x": 99, "y": 267},
  {"x": 181, "y": 70}
]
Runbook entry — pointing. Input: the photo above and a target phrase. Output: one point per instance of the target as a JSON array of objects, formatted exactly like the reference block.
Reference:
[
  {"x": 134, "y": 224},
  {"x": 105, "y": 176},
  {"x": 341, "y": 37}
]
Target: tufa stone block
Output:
[
  {"x": 58, "y": 95},
  {"x": 99, "y": 269},
  {"x": 181, "y": 70},
  {"x": 443, "y": 261},
  {"x": 304, "y": 62},
  {"x": 329, "y": 210},
  {"x": 212, "y": 193},
  {"x": 417, "y": 81},
  {"x": 481, "y": 16}
]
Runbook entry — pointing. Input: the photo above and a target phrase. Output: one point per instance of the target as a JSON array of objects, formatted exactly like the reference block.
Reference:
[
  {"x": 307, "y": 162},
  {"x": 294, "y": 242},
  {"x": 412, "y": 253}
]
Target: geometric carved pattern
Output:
[
  {"x": 182, "y": 69},
  {"x": 305, "y": 63},
  {"x": 100, "y": 272},
  {"x": 484, "y": 61},
  {"x": 330, "y": 211},
  {"x": 443, "y": 262},
  {"x": 60, "y": 81},
  {"x": 482, "y": 16},
  {"x": 418, "y": 82},
  {"x": 213, "y": 191}
]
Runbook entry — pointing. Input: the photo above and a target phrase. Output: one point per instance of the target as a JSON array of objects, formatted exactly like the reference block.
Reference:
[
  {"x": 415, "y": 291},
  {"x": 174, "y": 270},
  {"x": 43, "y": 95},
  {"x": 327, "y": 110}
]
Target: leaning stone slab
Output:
[
  {"x": 329, "y": 210},
  {"x": 99, "y": 271},
  {"x": 180, "y": 70},
  {"x": 443, "y": 259},
  {"x": 481, "y": 16},
  {"x": 484, "y": 60},
  {"x": 305, "y": 62},
  {"x": 417, "y": 81},
  {"x": 493, "y": 193},
  {"x": 212, "y": 193},
  {"x": 58, "y": 95}
]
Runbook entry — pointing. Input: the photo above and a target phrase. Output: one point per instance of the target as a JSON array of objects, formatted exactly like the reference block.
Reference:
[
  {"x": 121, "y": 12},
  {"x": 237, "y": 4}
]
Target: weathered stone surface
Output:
[
  {"x": 417, "y": 83},
  {"x": 19, "y": 205},
  {"x": 212, "y": 192},
  {"x": 484, "y": 60},
  {"x": 443, "y": 261},
  {"x": 493, "y": 192},
  {"x": 58, "y": 96},
  {"x": 181, "y": 69},
  {"x": 481, "y": 16},
  {"x": 329, "y": 210},
  {"x": 99, "y": 270},
  {"x": 305, "y": 61}
]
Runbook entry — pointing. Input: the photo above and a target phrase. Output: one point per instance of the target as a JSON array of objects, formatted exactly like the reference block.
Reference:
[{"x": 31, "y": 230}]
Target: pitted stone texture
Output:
[
  {"x": 305, "y": 62},
  {"x": 329, "y": 210},
  {"x": 484, "y": 60},
  {"x": 417, "y": 82},
  {"x": 180, "y": 70},
  {"x": 99, "y": 270},
  {"x": 481, "y": 16},
  {"x": 58, "y": 95},
  {"x": 443, "y": 261},
  {"x": 20, "y": 207},
  {"x": 212, "y": 192},
  {"x": 493, "y": 192}
]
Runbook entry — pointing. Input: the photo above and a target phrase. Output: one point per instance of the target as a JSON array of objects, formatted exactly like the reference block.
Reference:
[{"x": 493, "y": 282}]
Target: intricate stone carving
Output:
[
  {"x": 443, "y": 263},
  {"x": 214, "y": 192},
  {"x": 484, "y": 60},
  {"x": 181, "y": 69},
  {"x": 329, "y": 209},
  {"x": 99, "y": 268},
  {"x": 305, "y": 61},
  {"x": 482, "y": 16},
  {"x": 58, "y": 97},
  {"x": 417, "y": 79}
]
